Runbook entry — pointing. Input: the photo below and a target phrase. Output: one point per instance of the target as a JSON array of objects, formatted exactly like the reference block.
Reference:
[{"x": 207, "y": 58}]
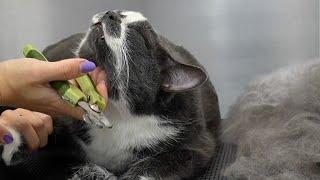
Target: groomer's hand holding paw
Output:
[
  {"x": 21, "y": 132},
  {"x": 35, "y": 127},
  {"x": 25, "y": 84}
]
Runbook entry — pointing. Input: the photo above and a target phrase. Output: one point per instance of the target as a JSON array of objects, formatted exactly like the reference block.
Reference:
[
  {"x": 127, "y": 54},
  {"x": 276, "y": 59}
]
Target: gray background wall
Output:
[{"x": 235, "y": 40}]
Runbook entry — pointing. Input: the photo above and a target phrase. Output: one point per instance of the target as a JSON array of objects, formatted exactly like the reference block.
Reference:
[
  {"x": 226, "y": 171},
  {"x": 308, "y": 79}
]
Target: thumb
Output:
[
  {"x": 65, "y": 69},
  {"x": 64, "y": 109}
]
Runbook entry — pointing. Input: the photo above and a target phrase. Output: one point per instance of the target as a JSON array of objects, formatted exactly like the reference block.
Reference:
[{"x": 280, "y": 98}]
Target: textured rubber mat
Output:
[{"x": 226, "y": 154}]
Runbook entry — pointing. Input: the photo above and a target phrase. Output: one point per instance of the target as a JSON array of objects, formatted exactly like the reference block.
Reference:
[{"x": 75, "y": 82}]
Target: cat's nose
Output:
[{"x": 113, "y": 16}]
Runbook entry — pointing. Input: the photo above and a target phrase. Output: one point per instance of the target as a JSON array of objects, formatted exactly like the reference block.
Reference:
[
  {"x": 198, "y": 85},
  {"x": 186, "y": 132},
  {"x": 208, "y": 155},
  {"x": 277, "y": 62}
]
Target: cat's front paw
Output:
[
  {"x": 15, "y": 151},
  {"x": 93, "y": 172}
]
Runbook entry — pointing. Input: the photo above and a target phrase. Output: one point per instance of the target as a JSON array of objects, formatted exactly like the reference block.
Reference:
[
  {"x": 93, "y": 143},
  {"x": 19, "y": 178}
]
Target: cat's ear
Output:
[
  {"x": 181, "y": 77},
  {"x": 179, "y": 69}
]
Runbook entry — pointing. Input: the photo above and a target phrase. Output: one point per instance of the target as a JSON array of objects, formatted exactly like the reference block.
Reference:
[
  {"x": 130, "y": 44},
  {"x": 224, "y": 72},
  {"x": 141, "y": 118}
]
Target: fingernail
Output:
[
  {"x": 87, "y": 66},
  {"x": 8, "y": 138}
]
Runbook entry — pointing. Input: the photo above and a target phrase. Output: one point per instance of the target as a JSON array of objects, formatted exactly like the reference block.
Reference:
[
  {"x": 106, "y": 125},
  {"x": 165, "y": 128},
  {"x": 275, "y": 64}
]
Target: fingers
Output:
[
  {"x": 73, "y": 82},
  {"x": 64, "y": 69},
  {"x": 94, "y": 74},
  {"x": 41, "y": 123},
  {"x": 67, "y": 110},
  {"x": 14, "y": 120},
  {"x": 101, "y": 84},
  {"x": 47, "y": 121},
  {"x": 99, "y": 77},
  {"x": 34, "y": 126},
  {"x": 102, "y": 89}
]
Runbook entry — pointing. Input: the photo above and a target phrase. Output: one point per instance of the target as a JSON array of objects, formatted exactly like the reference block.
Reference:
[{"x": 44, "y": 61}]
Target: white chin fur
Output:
[
  {"x": 112, "y": 147},
  {"x": 10, "y": 149}
]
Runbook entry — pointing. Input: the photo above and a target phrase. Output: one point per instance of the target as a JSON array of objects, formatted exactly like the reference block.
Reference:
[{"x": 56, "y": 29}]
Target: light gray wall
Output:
[
  {"x": 42, "y": 22},
  {"x": 235, "y": 40},
  {"x": 238, "y": 40}
]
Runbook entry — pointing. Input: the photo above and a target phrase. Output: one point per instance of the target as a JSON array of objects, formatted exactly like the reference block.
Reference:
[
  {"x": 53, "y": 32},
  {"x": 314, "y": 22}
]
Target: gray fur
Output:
[{"x": 276, "y": 124}]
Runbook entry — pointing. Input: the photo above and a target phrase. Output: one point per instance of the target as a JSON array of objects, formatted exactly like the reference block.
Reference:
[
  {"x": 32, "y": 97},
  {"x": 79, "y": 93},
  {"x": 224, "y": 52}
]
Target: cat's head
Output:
[{"x": 140, "y": 63}]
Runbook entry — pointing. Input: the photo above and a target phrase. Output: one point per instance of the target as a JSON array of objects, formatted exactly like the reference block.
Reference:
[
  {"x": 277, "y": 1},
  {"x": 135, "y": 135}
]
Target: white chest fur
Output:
[{"x": 112, "y": 148}]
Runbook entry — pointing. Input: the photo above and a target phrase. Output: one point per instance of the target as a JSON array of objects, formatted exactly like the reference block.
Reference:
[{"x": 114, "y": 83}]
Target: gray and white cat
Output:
[
  {"x": 276, "y": 125},
  {"x": 166, "y": 116},
  {"x": 163, "y": 108}
]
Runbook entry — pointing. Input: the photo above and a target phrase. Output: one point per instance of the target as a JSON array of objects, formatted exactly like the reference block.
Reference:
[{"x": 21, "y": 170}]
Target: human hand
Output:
[
  {"x": 99, "y": 78},
  {"x": 25, "y": 84},
  {"x": 35, "y": 127}
]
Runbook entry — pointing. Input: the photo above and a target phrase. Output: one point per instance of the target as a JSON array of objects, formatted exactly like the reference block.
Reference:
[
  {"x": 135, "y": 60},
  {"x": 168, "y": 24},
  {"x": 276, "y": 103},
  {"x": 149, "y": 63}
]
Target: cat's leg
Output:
[
  {"x": 167, "y": 166},
  {"x": 16, "y": 151},
  {"x": 11, "y": 154},
  {"x": 92, "y": 171}
]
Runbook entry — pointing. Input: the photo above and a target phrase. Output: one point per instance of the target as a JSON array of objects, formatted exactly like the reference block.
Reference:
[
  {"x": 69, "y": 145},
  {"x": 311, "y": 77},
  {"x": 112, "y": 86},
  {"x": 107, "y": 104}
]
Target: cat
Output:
[{"x": 163, "y": 108}]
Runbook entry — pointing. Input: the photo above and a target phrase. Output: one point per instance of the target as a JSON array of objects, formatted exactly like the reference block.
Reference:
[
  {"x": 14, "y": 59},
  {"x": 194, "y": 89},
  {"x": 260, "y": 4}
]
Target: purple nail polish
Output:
[
  {"x": 8, "y": 138},
  {"x": 87, "y": 66}
]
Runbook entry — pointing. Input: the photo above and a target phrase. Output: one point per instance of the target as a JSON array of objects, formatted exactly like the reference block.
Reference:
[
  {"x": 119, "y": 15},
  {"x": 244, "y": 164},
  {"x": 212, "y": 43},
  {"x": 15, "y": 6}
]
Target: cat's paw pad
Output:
[{"x": 93, "y": 172}]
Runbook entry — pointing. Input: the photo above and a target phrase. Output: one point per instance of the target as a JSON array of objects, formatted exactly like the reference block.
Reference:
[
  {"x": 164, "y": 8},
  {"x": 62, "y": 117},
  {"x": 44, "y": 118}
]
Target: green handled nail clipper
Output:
[{"x": 87, "y": 98}]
